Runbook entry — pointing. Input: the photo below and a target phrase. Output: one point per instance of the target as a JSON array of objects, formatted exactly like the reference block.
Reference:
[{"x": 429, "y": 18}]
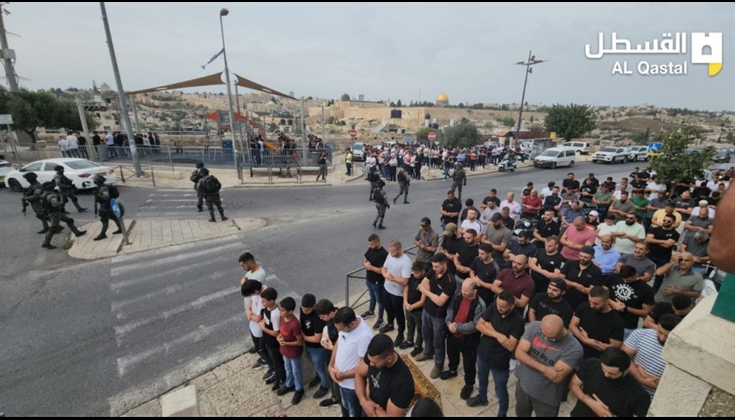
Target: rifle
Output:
[
  {"x": 95, "y": 208},
  {"x": 25, "y": 205}
]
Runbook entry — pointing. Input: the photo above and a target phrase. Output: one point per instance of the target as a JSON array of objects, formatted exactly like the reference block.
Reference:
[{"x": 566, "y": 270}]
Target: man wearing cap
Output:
[
  {"x": 551, "y": 302},
  {"x": 581, "y": 275},
  {"x": 606, "y": 256},
  {"x": 102, "y": 196},
  {"x": 702, "y": 204},
  {"x": 498, "y": 236},
  {"x": 66, "y": 188},
  {"x": 32, "y": 195}
]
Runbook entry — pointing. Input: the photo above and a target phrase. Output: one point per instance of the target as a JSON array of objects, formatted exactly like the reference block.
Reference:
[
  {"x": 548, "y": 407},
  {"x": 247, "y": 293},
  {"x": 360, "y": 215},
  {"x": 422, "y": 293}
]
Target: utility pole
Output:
[
  {"x": 531, "y": 61},
  {"x": 225, "y": 12},
  {"x": 121, "y": 94},
  {"x": 7, "y": 54}
]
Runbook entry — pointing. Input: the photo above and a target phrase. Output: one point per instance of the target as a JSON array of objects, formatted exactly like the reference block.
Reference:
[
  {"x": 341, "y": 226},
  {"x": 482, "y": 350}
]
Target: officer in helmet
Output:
[
  {"x": 54, "y": 205},
  {"x": 208, "y": 187},
  {"x": 103, "y": 207},
  {"x": 195, "y": 177},
  {"x": 381, "y": 203},
  {"x": 66, "y": 188},
  {"x": 33, "y": 195}
]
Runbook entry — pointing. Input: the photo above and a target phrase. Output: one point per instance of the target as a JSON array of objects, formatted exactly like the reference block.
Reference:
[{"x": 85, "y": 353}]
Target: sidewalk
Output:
[
  {"x": 146, "y": 234},
  {"x": 235, "y": 389}
]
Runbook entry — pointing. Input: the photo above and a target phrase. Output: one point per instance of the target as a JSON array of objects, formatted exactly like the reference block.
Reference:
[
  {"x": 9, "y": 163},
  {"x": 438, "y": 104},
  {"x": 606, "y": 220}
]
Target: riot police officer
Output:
[
  {"x": 460, "y": 178},
  {"x": 403, "y": 181},
  {"x": 66, "y": 188},
  {"x": 32, "y": 195},
  {"x": 195, "y": 177},
  {"x": 209, "y": 187},
  {"x": 103, "y": 207},
  {"x": 54, "y": 205}
]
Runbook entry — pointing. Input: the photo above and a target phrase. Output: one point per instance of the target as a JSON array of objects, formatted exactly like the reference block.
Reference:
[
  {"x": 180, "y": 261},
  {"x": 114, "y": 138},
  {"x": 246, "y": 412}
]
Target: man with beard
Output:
[
  {"x": 451, "y": 240},
  {"x": 580, "y": 277},
  {"x": 546, "y": 264},
  {"x": 468, "y": 250},
  {"x": 570, "y": 183},
  {"x": 587, "y": 191},
  {"x": 551, "y": 302},
  {"x": 631, "y": 298},
  {"x": 498, "y": 236},
  {"x": 604, "y": 389},
  {"x": 661, "y": 241},
  {"x": 517, "y": 281},
  {"x": 463, "y": 314},
  {"x": 553, "y": 201},
  {"x": 483, "y": 272},
  {"x": 575, "y": 238},
  {"x": 548, "y": 227},
  {"x": 491, "y": 197},
  {"x": 501, "y": 328},
  {"x": 450, "y": 209},
  {"x": 627, "y": 233},
  {"x": 644, "y": 267},
  {"x": 622, "y": 207},
  {"x": 645, "y": 346},
  {"x": 521, "y": 246},
  {"x": 438, "y": 290},
  {"x": 606, "y": 257},
  {"x": 658, "y": 216},
  {"x": 596, "y": 325}
]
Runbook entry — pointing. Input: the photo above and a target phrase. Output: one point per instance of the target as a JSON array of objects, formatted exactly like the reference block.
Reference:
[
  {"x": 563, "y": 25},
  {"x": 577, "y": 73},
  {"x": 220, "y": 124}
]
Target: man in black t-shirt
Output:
[
  {"x": 596, "y": 325},
  {"x": 546, "y": 263},
  {"x": 587, "y": 191},
  {"x": 326, "y": 312},
  {"x": 526, "y": 191},
  {"x": 312, "y": 328},
  {"x": 450, "y": 209},
  {"x": 413, "y": 301},
  {"x": 570, "y": 183},
  {"x": 383, "y": 383},
  {"x": 661, "y": 241},
  {"x": 373, "y": 262},
  {"x": 684, "y": 205},
  {"x": 483, "y": 272},
  {"x": 553, "y": 202},
  {"x": 594, "y": 181},
  {"x": 493, "y": 196},
  {"x": 546, "y": 228},
  {"x": 631, "y": 298},
  {"x": 680, "y": 306},
  {"x": 551, "y": 302},
  {"x": 468, "y": 250},
  {"x": 580, "y": 277},
  {"x": 604, "y": 389}
]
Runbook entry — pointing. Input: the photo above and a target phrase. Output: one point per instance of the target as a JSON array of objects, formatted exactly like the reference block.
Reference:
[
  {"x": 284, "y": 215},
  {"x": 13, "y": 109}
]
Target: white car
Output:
[
  {"x": 611, "y": 155},
  {"x": 5, "y": 169},
  {"x": 358, "y": 152},
  {"x": 636, "y": 153},
  {"x": 80, "y": 171},
  {"x": 583, "y": 148},
  {"x": 554, "y": 157}
]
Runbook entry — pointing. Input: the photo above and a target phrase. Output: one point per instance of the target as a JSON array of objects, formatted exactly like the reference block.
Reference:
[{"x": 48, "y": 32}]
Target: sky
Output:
[{"x": 381, "y": 50}]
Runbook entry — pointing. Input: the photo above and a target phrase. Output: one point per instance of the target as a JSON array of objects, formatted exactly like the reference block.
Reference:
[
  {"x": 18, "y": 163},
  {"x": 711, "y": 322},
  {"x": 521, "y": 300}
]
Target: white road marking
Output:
[
  {"x": 167, "y": 291},
  {"x": 196, "y": 256}
]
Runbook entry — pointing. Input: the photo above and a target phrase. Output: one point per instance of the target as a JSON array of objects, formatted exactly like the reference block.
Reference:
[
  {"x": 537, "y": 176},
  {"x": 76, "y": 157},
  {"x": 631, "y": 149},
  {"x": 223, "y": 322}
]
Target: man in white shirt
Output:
[
  {"x": 514, "y": 207},
  {"x": 73, "y": 144},
  {"x": 253, "y": 304},
  {"x": 548, "y": 190},
  {"x": 702, "y": 205},
  {"x": 655, "y": 188},
  {"x": 349, "y": 351},
  {"x": 397, "y": 272},
  {"x": 472, "y": 222}
]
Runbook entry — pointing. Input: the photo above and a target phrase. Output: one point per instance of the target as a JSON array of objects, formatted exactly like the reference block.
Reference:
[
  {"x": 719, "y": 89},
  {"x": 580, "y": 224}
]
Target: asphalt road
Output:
[{"x": 100, "y": 338}]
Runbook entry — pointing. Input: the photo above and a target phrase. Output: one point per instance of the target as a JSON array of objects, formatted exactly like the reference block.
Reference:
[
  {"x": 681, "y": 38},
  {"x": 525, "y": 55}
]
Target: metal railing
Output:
[
  {"x": 354, "y": 275},
  {"x": 130, "y": 168},
  {"x": 252, "y": 168}
]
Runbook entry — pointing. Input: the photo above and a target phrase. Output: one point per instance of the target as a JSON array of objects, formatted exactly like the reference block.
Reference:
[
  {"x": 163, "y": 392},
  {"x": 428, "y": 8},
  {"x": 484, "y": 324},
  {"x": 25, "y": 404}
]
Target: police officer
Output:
[
  {"x": 54, "y": 205},
  {"x": 66, "y": 188},
  {"x": 209, "y": 187},
  {"x": 373, "y": 177},
  {"x": 381, "y": 203},
  {"x": 33, "y": 195},
  {"x": 195, "y": 177},
  {"x": 460, "y": 178},
  {"x": 103, "y": 208},
  {"x": 403, "y": 181}
]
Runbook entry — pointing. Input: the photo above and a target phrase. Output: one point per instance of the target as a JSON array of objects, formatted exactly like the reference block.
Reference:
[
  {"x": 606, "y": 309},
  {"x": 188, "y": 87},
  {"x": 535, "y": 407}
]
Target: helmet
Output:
[
  {"x": 459, "y": 166},
  {"x": 204, "y": 171},
  {"x": 59, "y": 168},
  {"x": 99, "y": 179},
  {"x": 200, "y": 164},
  {"x": 48, "y": 186},
  {"x": 30, "y": 176},
  {"x": 380, "y": 184}
]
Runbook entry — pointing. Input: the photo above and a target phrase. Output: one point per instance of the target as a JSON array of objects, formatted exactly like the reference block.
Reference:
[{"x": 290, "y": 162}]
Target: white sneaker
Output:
[{"x": 513, "y": 364}]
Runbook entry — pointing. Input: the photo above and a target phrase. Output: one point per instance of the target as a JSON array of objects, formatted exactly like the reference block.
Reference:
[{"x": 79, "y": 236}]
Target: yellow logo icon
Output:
[{"x": 707, "y": 49}]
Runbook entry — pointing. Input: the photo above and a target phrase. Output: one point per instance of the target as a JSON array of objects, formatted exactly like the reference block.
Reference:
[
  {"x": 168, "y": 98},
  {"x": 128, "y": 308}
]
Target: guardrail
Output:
[
  {"x": 123, "y": 168},
  {"x": 353, "y": 275}
]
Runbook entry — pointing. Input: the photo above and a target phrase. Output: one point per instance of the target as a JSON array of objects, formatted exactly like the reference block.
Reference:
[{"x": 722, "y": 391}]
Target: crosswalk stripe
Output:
[
  {"x": 210, "y": 245},
  {"x": 199, "y": 256},
  {"x": 171, "y": 195},
  {"x": 167, "y": 200},
  {"x": 123, "y": 330},
  {"x": 116, "y": 286}
]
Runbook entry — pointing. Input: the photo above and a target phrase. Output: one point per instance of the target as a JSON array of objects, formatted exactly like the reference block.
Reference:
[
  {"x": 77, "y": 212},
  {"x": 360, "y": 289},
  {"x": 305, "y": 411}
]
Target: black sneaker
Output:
[
  {"x": 378, "y": 324},
  {"x": 406, "y": 345},
  {"x": 314, "y": 382},
  {"x": 476, "y": 401},
  {"x": 272, "y": 379},
  {"x": 284, "y": 390},
  {"x": 417, "y": 350},
  {"x": 466, "y": 392},
  {"x": 277, "y": 385},
  {"x": 297, "y": 397},
  {"x": 252, "y": 350},
  {"x": 271, "y": 373},
  {"x": 448, "y": 374},
  {"x": 367, "y": 315},
  {"x": 320, "y": 393},
  {"x": 386, "y": 328},
  {"x": 329, "y": 402},
  {"x": 260, "y": 364},
  {"x": 399, "y": 340}
]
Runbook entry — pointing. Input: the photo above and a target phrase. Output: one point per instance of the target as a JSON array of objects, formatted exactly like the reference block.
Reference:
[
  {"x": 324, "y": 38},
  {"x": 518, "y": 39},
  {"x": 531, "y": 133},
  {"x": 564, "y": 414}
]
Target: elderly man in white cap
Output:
[
  {"x": 593, "y": 219},
  {"x": 703, "y": 204}
]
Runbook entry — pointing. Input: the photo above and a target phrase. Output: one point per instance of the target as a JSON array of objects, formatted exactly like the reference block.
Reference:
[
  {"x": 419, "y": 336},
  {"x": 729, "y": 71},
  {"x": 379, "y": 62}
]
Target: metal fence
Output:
[{"x": 360, "y": 274}]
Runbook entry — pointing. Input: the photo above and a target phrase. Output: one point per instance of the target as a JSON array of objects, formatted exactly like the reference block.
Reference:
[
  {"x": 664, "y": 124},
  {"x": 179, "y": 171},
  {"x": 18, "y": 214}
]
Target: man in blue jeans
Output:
[
  {"x": 374, "y": 260},
  {"x": 501, "y": 327},
  {"x": 349, "y": 350},
  {"x": 311, "y": 328}
]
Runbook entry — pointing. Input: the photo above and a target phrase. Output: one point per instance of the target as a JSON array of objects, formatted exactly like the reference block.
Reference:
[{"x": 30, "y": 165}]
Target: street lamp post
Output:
[
  {"x": 121, "y": 95},
  {"x": 225, "y": 12},
  {"x": 531, "y": 61}
]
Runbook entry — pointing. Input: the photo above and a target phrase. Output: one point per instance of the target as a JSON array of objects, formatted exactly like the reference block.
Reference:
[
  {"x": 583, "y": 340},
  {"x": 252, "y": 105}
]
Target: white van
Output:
[
  {"x": 556, "y": 156},
  {"x": 578, "y": 146}
]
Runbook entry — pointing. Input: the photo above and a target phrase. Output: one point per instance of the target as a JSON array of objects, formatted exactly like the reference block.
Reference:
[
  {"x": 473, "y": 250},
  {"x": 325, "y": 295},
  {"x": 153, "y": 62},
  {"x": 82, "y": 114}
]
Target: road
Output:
[{"x": 99, "y": 338}]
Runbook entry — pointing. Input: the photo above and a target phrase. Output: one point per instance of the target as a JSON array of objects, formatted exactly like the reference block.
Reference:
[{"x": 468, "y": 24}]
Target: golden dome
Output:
[{"x": 442, "y": 98}]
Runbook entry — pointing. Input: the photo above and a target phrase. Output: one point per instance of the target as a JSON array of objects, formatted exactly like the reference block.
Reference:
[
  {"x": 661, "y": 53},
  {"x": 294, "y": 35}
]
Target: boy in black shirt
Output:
[
  {"x": 631, "y": 298},
  {"x": 271, "y": 324},
  {"x": 413, "y": 300},
  {"x": 312, "y": 328}
]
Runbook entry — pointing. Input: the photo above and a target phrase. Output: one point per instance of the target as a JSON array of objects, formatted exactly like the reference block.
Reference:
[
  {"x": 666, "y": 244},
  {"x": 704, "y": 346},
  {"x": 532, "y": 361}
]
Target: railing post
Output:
[
  {"x": 347, "y": 291},
  {"x": 170, "y": 159},
  {"x": 153, "y": 177},
  {"x": 122, "y": 175}
]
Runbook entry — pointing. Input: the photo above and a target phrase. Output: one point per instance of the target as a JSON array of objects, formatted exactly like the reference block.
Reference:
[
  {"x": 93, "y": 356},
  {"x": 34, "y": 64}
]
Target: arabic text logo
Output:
[{"x": 713, "y": 41}]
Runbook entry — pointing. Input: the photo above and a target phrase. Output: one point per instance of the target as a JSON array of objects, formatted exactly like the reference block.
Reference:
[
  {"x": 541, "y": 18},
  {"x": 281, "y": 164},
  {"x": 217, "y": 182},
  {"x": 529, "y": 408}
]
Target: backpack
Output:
[
  {"x": 195, "y": 177},
  {"x": 114, "y": 192},
  {"x": 378, "y": 196},
  {"x": 210, "y": 185}
]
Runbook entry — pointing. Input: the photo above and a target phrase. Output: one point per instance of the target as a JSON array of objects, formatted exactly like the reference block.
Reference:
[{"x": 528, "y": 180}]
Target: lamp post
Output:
[
  {"x": 531, "y": 61},
  {"x": 225, "y": 12}
]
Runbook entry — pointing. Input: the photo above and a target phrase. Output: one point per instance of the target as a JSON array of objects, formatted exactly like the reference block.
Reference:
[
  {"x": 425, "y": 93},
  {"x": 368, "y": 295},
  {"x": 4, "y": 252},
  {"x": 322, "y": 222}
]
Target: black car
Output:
[{"x": 722, "y": 156}]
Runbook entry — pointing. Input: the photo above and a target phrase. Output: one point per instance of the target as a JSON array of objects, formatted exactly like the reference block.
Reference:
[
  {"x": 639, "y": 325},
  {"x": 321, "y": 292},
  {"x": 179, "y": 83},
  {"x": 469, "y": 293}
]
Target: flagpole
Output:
[{"x": 225, "y": 12}]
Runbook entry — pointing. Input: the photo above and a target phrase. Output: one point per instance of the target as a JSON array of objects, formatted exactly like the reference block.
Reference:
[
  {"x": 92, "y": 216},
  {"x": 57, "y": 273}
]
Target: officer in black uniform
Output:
[
  {"x": 381, "y": 203},
  {"x": 103, "y": 208},
  {"x": 66, "y": 188},
  {"x": 460, "y": 178},
  {"x": 196, "y": 175},
  {"x": 209, "y": 187},
  {"x": 373, "y": 177},
  {"x": 403, "y": 181},
  {"x": 33, "y": 195},
  {"x": 54, "y": 205}
]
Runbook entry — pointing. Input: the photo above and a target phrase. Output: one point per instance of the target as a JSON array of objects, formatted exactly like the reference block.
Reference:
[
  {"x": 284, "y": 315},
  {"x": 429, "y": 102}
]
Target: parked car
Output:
[
  {"x": 5, "y": 169},
  {"x": 722, "y": 156},
  {"x": 610, "y": 155},
  {"x": 358, "y": 152},
  {"x": 578, "y": 146},
  {"x": 636, "y": 153},
  {"x": 80, "y": 171},
  {"x": 554, "y": 157}
]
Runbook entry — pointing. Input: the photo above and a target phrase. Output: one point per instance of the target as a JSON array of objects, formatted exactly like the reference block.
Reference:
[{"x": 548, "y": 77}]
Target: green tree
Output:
[
  {"x": 392, "y": 105},
  {"x": 509, "y": 121},
  {"x": 730, "y": 137},
  {"x": 461, "y": 135},
  {"x": 41, "y": 109},
  {"x": 399, "y": 104},
  {"x": 423, "y": 133},
  {"x": 673, "y": 163},
  {"x": 460, "y": 105},
  {"x": 570, "y": 121}
]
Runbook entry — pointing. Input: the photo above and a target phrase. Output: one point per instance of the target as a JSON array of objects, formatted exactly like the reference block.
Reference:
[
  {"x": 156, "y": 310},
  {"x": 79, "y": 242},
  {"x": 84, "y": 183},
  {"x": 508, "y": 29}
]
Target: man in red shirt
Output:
[
  {"x": 576, "y": 237},
  {"x": 517, "y": 281},
  {"x": 531, "y": 205},
  {"x": 292, "y": 345}
]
